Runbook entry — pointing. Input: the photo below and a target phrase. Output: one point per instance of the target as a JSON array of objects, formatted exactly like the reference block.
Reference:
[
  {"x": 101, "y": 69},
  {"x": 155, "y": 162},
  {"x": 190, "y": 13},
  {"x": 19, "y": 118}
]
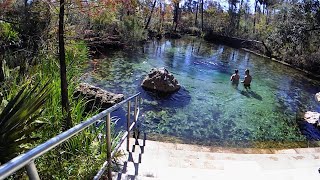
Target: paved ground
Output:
[{"x": 150, "y": 160}]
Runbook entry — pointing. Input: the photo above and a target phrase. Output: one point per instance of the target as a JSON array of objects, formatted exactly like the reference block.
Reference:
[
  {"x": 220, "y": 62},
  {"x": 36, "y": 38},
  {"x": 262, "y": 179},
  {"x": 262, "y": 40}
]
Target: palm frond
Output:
[{"x": 18, "y": 120}]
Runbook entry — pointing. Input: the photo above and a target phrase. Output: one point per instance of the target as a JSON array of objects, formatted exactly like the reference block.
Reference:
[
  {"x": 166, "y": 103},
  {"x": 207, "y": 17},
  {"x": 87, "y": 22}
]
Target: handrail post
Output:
[
  {"x": 108, "y": 145},
  {"x": 135, "y": 108},
  {"x": 32, "y": 171},
  {"x": 128, "y": 126}
]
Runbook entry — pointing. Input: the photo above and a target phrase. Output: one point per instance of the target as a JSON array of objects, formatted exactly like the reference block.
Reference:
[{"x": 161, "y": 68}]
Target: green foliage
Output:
[
  {"x": 19, "y": 120},
  {"x": 288, "y": 35},
  {"x": 264, "y": 30},
  {"x": 185, "y": 21},
  {"x": 11, "y": 85},
  {"x": 81, "y": 156},
  {"x": 7, "y": 33},
  {"x": 36, "y": 27},
  {"x": 193, "y": 30},
  {"x": 76, "y": 55},
  {"x": 104, "y": 20},
  {"x": 131, "y": 29},
  {"x": 295, "y": 38},
  {"x": 218, "y": 24}
]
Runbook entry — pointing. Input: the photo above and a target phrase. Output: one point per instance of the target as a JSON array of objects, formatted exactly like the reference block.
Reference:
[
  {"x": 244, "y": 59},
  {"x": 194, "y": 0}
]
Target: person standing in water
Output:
[
  {"x": 247, "y": 79},
  {"x": 235, "y": 77}
]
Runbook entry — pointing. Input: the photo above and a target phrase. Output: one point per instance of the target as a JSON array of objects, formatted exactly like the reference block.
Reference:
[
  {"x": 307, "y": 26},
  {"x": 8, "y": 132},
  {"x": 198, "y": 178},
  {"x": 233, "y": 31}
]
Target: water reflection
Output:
[{"x": 208, "y": 109}]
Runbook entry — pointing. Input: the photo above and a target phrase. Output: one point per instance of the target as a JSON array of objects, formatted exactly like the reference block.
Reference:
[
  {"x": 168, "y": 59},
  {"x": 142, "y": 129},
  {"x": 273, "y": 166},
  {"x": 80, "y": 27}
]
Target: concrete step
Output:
[
  {"x": 150, "y": 151},
  {"x": 234, "y": 171},
  {"x": 163, "y": 162},
  {"x": 247, "y": 172},
  {"x": 158, "y": 160},
  {"x": 121, "y": 176},
  {"x": 199, "y": 148}
]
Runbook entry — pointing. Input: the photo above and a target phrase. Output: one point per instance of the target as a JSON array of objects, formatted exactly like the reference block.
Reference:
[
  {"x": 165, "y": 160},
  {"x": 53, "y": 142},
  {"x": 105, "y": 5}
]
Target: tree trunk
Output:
[
  {"x": 267, "y": 16},
  {"x": 175, "y": 18},
  {"x": 149, "y": 19},
  {"x": 160, "y": 17},
  {"x": 25, "y": 39},
  {"x": 254, "y": 17},
  {"x": 239, "y": 16},
  {"x": 268, "y": 51},
  {"x": 63, "y": 72},
  {"x": 175, "y": 27},
  {"x": 1, "y": 70},
  {"x": 201, "y": 15},
  {"x": 196, "y": 20}
]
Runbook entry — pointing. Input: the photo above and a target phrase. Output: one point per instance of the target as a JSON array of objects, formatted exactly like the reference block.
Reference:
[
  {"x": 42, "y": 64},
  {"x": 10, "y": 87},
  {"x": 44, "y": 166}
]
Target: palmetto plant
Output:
[{"x": 18, "y": 120}]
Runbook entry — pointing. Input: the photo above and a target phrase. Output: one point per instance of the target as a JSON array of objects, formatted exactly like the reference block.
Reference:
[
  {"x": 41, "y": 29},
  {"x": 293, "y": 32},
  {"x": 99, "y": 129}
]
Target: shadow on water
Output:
[
  {"x": 250, "y": 94},
  {"x": 311, "y": 132},
  {"x": 178, "y": 99}
]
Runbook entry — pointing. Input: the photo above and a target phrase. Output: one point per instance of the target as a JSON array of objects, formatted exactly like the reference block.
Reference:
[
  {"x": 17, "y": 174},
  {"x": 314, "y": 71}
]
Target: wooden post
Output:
[
  {"x": 108, "y": 133},
  {"x": 128, "y": 126}
]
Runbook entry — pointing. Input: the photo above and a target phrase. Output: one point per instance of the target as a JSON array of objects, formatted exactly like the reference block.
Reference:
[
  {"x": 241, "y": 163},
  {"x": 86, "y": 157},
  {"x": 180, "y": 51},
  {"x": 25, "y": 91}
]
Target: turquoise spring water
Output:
[{"x": 208, "y": 109}]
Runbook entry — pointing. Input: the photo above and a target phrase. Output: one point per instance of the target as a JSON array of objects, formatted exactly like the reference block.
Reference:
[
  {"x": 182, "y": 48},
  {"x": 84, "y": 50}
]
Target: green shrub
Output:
[
  {"x": 7, "y": 33},
  {"x": 193, "y": 30},
  {"x": 81, "y": 156},
  {"x": 131, "y": 29}
]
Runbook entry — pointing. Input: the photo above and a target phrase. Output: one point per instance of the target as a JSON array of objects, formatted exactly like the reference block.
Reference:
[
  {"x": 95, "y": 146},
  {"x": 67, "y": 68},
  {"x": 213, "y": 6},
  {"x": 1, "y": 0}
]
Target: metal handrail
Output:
[
  {"x": 27, "y": 159},
  {"x": 123, "y": 138}
]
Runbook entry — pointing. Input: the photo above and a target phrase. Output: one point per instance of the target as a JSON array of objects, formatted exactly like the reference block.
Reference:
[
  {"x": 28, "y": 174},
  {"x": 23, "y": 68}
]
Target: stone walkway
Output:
[{"x": 151, "y": 160}]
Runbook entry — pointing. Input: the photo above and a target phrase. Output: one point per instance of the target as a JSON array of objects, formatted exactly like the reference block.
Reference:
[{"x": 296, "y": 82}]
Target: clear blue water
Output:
[{"x": 208, "y": 109}]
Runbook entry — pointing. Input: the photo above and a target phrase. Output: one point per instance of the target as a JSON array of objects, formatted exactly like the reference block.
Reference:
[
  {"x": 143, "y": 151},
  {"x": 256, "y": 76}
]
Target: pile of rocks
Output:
[
  {"x": 160, "y": 80},
  {"x": 311, "y": 125},
  {"x": 97, "y": 98}
]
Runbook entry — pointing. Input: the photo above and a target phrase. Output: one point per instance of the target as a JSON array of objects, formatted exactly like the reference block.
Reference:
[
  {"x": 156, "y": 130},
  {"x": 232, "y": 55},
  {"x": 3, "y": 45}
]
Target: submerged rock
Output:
[
  {"x": 312, "y": 117},
  {"x": 160, "y": 80},
  {"x": 318, "y": 96},
  {"x": 97, "y": 98}
]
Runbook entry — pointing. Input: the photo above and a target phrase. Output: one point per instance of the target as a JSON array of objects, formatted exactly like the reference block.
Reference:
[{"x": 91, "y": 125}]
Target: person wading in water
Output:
[
  {"x": 247, "y": 80},
  {"x": 235, "y": 77}
]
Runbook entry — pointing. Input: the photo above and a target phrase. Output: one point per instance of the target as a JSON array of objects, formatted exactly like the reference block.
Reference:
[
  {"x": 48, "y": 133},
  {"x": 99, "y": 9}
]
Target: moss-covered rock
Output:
[
  {"x": 160, "y": 80},
  {"x": 97, "y": 98}
]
